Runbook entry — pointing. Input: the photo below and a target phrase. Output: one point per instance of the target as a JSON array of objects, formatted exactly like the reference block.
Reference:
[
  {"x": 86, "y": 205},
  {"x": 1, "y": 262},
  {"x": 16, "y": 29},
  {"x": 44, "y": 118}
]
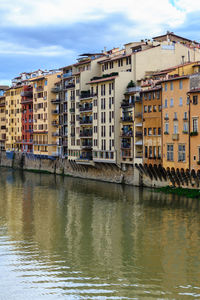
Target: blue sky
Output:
[{"x": 50, "y": 34}]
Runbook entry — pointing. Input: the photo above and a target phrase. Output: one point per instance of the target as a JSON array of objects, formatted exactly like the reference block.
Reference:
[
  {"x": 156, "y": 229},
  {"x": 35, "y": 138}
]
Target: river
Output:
[{"x": 69, "y": 238}]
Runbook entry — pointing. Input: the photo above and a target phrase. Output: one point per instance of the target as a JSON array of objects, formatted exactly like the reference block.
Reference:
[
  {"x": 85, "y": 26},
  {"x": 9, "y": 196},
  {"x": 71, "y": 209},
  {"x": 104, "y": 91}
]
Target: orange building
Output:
[
  {"x": 175, "y": 120},
  {"x": 194, "y": 96},
  {"x": 152, "y": 109}
]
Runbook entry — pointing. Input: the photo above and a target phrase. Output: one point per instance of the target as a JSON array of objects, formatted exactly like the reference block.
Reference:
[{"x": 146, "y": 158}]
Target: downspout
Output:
[{"x": 189, "y": 135}]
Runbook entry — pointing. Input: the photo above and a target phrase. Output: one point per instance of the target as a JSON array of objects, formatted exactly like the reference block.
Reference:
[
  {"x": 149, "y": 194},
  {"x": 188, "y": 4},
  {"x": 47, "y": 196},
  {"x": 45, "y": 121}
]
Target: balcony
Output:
[
  {"x": 55, "y": 111},
  {"x": 66, "y": 75},
  {"x": 55, "y": 90},
  {"x": 87, "y": 144},
  {"x": 55, "y": 101},
  {"x": 86, "y": 94},
  {"x": 86, "y": 122},
  {"x": 86, "y": 108},
  {"x": 127, "y": 134},
  {"x": 127, "y": 119},
  {"x": 55, "y": 123},
  {"x": 175, "y": 136},
  {"x": 134, "y": 89},
  {"x": 126, "y": 103},
  {"x": 138, "y": 134},
  {"x": 166, "y": 118},
  {"x": 86, "y": 133},
  {"x": 55, "y": 134},
  {"x": 72, "y": 110},
  {"x": 125, "y": 146},
  {"x": 69, "y": 86}
]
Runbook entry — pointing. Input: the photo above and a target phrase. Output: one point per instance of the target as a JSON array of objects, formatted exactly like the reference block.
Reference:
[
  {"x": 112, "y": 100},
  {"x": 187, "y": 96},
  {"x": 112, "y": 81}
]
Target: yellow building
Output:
[
  {"x": 13, "y": 118},
  {"x": 46, "y": 115},
  {"x": 2, "y": 117}
]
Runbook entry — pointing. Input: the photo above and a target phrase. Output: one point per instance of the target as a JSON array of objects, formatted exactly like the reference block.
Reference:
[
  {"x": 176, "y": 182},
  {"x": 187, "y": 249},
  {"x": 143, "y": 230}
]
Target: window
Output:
[
  {"x": 165, "y": 103},
  {"x": 45, "y": 83},
  {"x": 180, "y": 101},
  {"x": 154, "y": 131},
  {"x": 166, "y": 127},
  {"x": 181, "y": 152},
  {"x": 150, "y": 151},
  {"x": 195, "y": 124},
  {"x": 149, "y": 96},
  {"x": 159, "y": 130},
  {"x": 159, "y": 107},
  {"x": 159, "y": 152},
  {"x": 171, "y": 102},
  {"x": 170, "y": 152},
  {"x": 185, "y": 116},
  {"x": 154, "y": 151},
  {"x": 149, "y": 108},
  {"x": 175, "y": 128},
  {"x": 180, "y": 84},
  {"x": 166, "y": 116},
  {"x": 171, "y": 86},
  {"x": 158, "y": 94},
  {"x": 154, "y": 108},
  {"x": 146, "y": 152},
  {"x": 195, "y": 100},
  {"x": 165, "y": 87},
  {"x": 175, "y": 116},
  {"x": 149, "y": 131},
  {"x": 185, "y": 127},
  {"x": 145, "y": 131},
  {"x": 110, "y": 102},
  {"x": 145, "y": 108}
]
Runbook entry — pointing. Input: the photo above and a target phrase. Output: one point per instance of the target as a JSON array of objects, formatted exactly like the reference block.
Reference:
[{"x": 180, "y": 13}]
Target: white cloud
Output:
[
  {"x": 147, "y": 14},
  {"x": 188, "y": 5},
  {"x": 9, "y": 48}
]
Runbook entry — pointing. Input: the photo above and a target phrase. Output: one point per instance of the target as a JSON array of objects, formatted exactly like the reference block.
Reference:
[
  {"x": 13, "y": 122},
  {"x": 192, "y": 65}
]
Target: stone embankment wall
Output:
[
  {"x": 100, "y": 171},
  {"x": 138, "y": 175}
]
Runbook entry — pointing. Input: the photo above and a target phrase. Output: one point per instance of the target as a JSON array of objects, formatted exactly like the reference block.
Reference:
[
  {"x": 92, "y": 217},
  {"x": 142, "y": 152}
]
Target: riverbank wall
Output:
[{"x": 137, "y": 175}]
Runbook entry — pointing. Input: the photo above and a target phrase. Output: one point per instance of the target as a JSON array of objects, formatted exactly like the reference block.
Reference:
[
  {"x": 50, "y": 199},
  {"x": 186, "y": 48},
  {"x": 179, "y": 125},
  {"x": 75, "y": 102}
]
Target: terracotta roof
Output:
[
  {"x": 4, "y": 87},
  {"x": 196, "y": 90},
  {"x": 174, "y": 78},
  {"x": 102, "y": 79},
  {"x": 171, "y": 33},
  {"x": 37, "y": 78},
  {"x": 82, "y": 62},
  {"x": 113, "y": 58}
]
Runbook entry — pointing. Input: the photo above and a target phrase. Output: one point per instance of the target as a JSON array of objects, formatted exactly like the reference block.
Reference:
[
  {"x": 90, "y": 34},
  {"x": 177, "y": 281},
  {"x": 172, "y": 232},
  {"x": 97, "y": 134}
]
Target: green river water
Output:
[{"x": 67, "y": 238}]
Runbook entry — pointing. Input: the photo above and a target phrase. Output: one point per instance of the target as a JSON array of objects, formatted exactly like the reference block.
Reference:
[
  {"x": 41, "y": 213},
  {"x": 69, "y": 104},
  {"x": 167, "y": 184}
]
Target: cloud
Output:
[
  {"x": 42, "y": 12},
  {"x": 187, "y": 6},
  {"x": 51, "y": 33},
  {"x": 10, "y": 48}
]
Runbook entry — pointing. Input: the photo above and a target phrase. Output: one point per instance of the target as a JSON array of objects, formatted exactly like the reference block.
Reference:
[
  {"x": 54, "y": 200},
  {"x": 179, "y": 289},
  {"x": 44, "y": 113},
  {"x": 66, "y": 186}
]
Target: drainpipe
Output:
[{"x": 189, "y": 135}]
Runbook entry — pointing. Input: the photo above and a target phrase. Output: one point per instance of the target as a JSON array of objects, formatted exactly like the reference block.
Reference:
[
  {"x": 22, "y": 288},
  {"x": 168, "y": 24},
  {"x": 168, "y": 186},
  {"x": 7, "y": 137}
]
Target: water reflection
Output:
[{"x": 69, "y": 237}]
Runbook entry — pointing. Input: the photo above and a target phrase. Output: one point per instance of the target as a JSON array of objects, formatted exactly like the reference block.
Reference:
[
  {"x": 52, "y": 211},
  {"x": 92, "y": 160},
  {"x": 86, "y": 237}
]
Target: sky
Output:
[{"x": 49, "y": 34}]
